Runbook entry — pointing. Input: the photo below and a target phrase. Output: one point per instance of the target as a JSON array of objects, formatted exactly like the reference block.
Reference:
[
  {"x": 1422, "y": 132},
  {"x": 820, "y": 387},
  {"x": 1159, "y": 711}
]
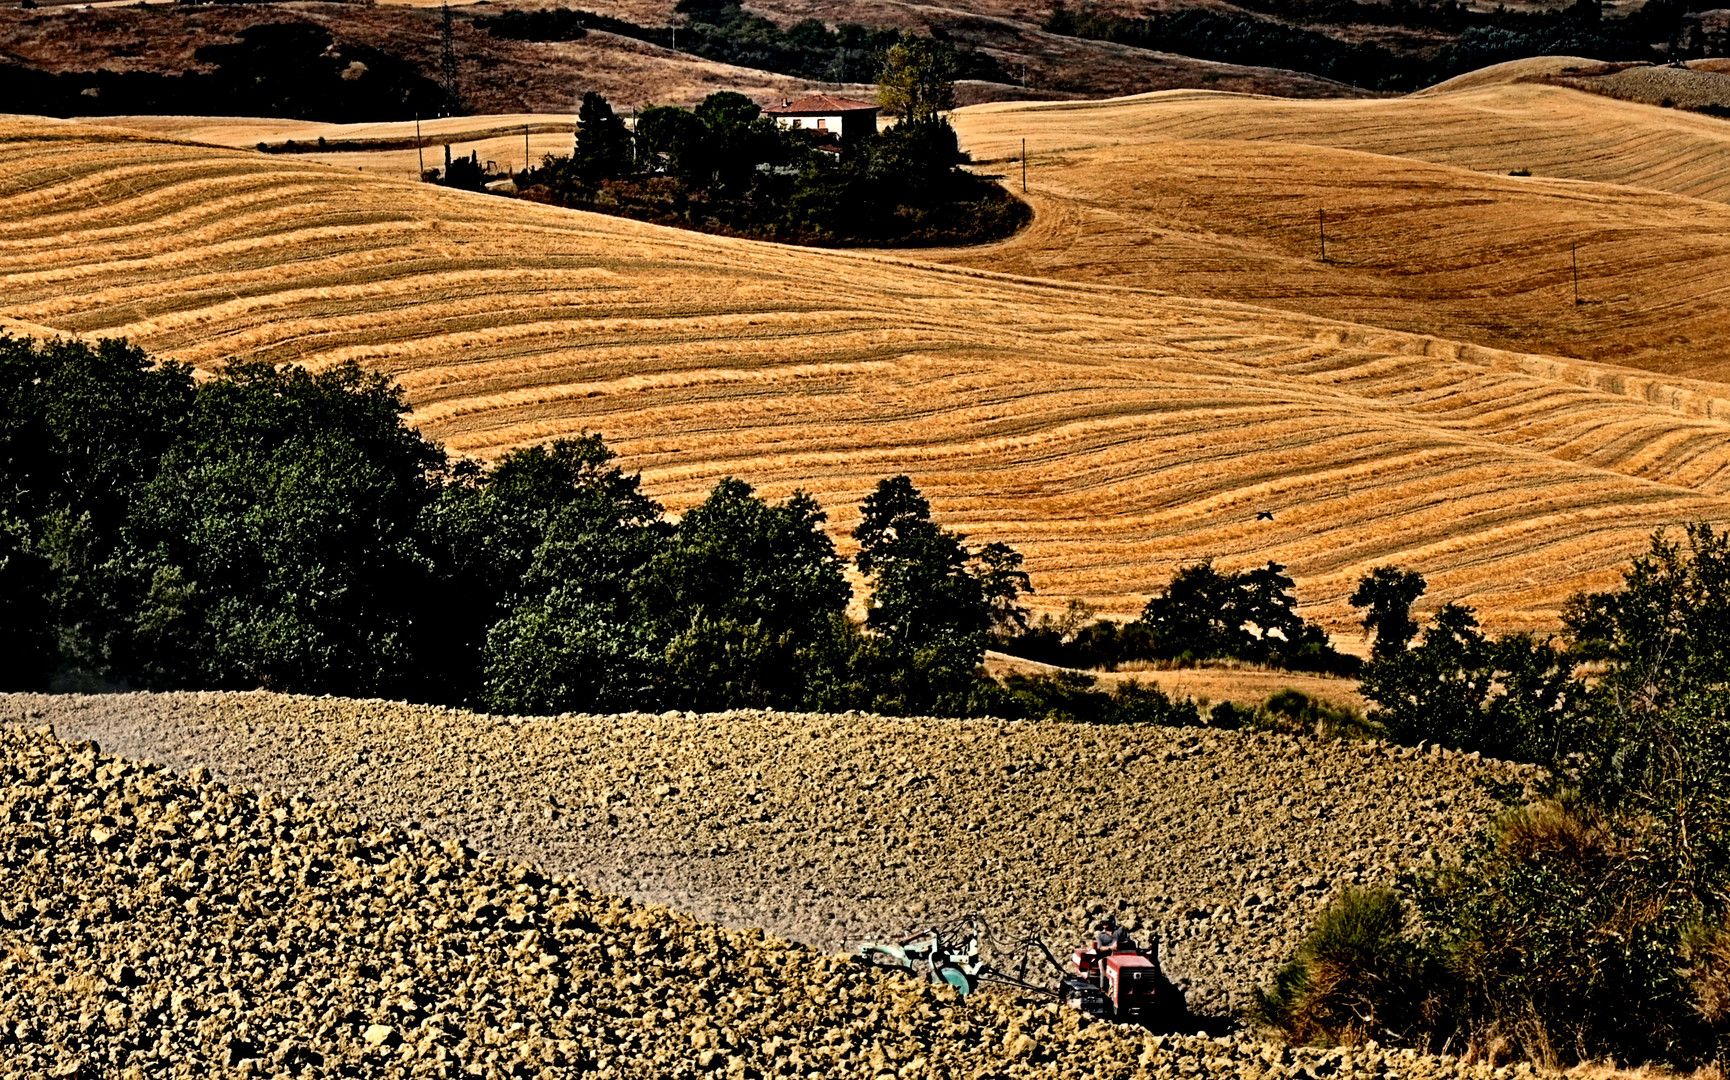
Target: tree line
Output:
[
  {"x": 275, "y": 528},
  {"x": 1201, "y": 615},
  {"x": 1294, "y": 34},
  {"x": 1594, "y": 922},
  {"x": 723, "y": 31},
  {"x": 726, "y": 167}
]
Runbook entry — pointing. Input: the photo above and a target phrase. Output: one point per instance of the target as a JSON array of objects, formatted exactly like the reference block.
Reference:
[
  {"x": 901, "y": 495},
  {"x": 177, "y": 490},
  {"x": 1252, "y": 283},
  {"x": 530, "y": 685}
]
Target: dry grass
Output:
[
  {"x": 1684, "y": 87},
  {"x": 1210, "y": 195},
  {"x": 1245, "y": 685},
  {"x": 1511, "y": 71},
  {"x": 1111, "y": 434}
]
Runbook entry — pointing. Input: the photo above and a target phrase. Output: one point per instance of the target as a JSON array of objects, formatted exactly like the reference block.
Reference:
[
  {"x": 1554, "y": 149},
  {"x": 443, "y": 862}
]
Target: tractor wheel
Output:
[{"x": 950, "y": 975}]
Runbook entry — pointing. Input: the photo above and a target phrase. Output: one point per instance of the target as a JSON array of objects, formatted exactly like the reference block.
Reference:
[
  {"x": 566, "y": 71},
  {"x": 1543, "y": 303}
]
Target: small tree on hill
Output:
[
  {"x": 1388, "y": 593},
  {"x": 917, "y": 82},
  {"x": 603, "y": 144}
]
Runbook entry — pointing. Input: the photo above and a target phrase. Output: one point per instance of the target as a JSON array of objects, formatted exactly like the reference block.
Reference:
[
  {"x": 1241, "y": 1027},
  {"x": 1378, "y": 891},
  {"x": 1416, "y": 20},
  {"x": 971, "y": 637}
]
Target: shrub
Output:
[
  {"x": 1559, "y": 940},
  {"x": 1589, "y": 925},
  {"x": 1296, "y": 712},
  {"x": 1353, "y": 977},
  {"x": 1706, "y": 951}
]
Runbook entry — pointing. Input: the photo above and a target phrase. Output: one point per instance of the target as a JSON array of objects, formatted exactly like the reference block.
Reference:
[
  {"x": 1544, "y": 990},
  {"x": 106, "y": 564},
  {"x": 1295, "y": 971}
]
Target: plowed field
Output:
[
  {"x": 835, "y": 829},
  {"x": 1111, "y": 434}
]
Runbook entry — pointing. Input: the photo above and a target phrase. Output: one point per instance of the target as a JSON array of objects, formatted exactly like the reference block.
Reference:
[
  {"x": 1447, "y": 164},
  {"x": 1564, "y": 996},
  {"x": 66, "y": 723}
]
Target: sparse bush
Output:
[
  {"x": 1229, "y": 717},
  {"x": 1560, "y": 940},
  {"x": 1296, "y": 712},
  {"x": 1706, "y": 951},
  {"x": 1355, "y": 976},
  {"x": 1070, "y": 696}
]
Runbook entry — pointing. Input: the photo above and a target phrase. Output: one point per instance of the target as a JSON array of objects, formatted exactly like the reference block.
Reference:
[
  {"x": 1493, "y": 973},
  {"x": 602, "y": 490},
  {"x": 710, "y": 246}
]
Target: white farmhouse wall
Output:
[{"x": 815, "y": 123}]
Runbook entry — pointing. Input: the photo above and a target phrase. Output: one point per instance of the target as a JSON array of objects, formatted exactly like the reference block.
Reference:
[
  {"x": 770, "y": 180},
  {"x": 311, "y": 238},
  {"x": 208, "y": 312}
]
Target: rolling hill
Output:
[
  {"x": 1111, "y": 433},
  {"x": 1220, "y": 196}
]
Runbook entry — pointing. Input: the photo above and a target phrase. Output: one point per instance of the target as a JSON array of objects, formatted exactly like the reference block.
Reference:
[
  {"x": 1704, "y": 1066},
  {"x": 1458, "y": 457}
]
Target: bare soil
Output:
[
  {"x": 157, "y": 925},
  {"x": 835, "y": 829}
]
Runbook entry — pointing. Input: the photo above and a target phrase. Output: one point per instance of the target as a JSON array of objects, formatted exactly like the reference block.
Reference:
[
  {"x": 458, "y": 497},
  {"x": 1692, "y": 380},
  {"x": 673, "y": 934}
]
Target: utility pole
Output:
[
  {"x": 1576, "y": 254},
  {"x": 1024, "y": 166},
  {"x": 1322, "y": 229},
  {"x": 419, "y": 150},
  {"x": 525, "y": 148},
  {"x": 448, "y": 63}
]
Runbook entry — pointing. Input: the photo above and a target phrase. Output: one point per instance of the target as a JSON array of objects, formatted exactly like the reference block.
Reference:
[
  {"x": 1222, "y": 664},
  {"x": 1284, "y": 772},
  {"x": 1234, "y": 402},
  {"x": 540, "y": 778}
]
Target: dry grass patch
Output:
[{"x": 1210, "y": 195}]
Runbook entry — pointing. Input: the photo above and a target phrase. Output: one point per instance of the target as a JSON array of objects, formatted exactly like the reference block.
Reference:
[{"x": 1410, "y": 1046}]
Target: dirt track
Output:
[{"x": 831, "y": 829}]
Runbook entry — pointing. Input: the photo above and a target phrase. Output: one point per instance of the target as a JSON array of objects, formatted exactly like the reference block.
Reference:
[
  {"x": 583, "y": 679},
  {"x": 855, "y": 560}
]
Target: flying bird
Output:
[{"x": 1264, "y": 515}]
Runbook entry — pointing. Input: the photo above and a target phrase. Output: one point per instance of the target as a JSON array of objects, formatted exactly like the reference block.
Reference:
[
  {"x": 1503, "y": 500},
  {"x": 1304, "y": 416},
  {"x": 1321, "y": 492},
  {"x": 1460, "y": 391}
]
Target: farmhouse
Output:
[{"x": 846, "y": 118}]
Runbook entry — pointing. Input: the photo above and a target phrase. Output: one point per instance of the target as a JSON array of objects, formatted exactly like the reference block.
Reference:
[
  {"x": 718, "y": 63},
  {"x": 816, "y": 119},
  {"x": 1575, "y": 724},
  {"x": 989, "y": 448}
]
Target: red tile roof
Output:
[{"x": 819, "y": 103}]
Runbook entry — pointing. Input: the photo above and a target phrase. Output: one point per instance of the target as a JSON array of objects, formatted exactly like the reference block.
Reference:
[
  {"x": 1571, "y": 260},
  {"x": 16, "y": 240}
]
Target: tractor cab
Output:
[{"x": 1123, "y": 984}]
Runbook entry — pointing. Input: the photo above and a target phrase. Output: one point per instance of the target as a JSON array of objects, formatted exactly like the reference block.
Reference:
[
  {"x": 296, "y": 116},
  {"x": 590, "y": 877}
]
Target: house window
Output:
[{"x": 823, "y": 124}]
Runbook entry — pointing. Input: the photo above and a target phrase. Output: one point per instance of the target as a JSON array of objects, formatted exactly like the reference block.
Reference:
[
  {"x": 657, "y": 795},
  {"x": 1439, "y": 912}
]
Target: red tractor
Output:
[
  {"x": 1113, "y": 978},
  {"x": 1121, "y": 982}
]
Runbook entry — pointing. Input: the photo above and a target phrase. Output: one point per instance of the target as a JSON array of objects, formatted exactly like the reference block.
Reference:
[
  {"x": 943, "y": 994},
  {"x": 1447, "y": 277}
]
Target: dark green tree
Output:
[
  {"x": 278, "y": 544},
  {"x": 914, "y": 162},
  {"x": 738, "y": 138},
  {"x": 573, "y": 638},
  {"x": 1004, "y": 582},
  {"x": 484, "y": 532},
  {"x": 676, "y": 142},
  {"x": 922, "y": 594},
  {"x": 603, "y": 148},
  {"x": 933, "y": 602},
  {"x": 741, "y": 559},
  {"x": 1665, "y": 627},
  {"x": 1511, "y": 697},
  {"x": 81, "y": 427},
  {"x": 1388, "y": 594},
  {"x": 740, "y": 592},
  {"x": 1250, "y": 615},
  {"x": 1200, "y": 615}
]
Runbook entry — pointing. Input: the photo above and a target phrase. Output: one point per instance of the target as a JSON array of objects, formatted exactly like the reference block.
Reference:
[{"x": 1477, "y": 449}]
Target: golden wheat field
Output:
[
  {"x": 1110, "y": 433},
  {"x": 1221, "y": 196}
]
